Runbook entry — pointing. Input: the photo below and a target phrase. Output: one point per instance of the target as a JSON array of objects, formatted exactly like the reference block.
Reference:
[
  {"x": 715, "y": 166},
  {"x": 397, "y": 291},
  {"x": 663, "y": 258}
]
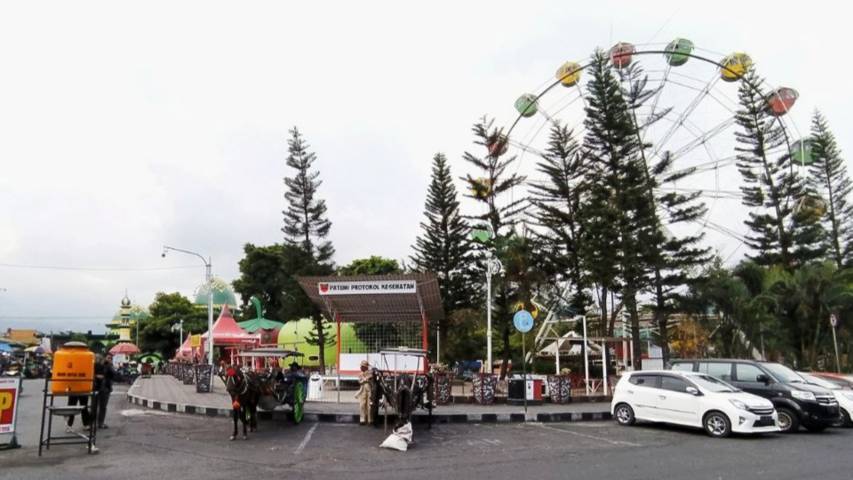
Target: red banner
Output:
[{"x": 8, "y": 403}]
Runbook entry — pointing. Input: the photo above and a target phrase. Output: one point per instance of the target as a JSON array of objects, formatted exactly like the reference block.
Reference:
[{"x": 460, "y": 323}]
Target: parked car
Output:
[
  {"x": 843, "y": 381},
  {"x": 691, "y": 399},
  {"x": 797, "y": 402},
  {"x": 843, "y": 395}
]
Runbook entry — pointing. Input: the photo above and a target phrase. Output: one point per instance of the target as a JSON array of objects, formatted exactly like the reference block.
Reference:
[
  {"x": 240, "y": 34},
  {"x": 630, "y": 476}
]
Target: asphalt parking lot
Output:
[{"x": 148, "y": 444}]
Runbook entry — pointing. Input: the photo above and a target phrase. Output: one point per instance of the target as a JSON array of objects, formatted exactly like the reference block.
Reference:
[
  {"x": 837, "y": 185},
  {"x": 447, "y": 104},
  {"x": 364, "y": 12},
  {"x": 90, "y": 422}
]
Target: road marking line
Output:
[
  {"x": 306, "y": 439},
  {"x": 593, "y": 437}
]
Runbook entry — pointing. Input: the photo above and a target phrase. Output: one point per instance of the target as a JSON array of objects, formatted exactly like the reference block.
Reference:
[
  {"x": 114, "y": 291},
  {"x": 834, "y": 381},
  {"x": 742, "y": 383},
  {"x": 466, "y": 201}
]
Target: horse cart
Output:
[
  {"x": 279, "y": 382},
  {"x": 401, "y": 382}
]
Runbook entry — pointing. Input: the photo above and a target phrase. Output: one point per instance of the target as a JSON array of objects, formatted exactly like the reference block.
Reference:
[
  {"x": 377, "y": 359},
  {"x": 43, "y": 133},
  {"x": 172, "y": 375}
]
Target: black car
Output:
[{"x": 797, "y": 402}]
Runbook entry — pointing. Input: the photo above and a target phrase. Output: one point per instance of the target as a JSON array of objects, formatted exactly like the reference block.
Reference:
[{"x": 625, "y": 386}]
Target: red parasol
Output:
[{"x": 125, "y": 348}]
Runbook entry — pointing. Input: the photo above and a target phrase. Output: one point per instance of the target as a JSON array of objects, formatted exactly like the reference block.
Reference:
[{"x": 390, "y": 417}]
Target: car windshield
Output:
[
  {"x": 707, "y": 382},
  {"x": 783, "y": 373},
  {"x": 820, "y": 382}
]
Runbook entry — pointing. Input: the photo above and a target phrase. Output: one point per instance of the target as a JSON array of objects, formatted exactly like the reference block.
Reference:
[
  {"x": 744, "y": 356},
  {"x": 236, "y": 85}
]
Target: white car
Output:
[
  {"x": 693, "y": 399},
  {"x": 843, "y": 395}
]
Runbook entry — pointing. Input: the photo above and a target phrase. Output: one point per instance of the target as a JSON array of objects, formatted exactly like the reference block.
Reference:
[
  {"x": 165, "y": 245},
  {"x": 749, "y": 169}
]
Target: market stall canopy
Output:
[
  {"x": 35, "y": 349},
  {"x": 227, "y": 332},
  {"x": 376, "y": 298},
  {"x": 124, "y": 348},
  {"x": 7, "y": 347}
]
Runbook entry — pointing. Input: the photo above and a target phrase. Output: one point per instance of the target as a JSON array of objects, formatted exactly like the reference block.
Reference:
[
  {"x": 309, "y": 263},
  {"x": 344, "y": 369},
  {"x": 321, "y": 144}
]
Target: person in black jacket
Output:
[{"x": 104, "y": 375}]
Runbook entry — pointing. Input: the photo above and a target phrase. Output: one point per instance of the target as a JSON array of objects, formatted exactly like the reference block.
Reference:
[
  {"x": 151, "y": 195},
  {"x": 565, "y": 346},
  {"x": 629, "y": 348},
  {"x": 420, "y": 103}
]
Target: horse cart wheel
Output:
[{"x": 298, "y": 402}]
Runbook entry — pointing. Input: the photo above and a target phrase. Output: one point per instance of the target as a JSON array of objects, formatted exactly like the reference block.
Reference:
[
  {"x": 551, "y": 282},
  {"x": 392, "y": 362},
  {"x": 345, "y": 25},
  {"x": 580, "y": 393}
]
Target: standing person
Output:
[
  {"x": 104, "y": 376},
  {"x": 83, "y": 400},
  {"x": 364, "y": 394}
]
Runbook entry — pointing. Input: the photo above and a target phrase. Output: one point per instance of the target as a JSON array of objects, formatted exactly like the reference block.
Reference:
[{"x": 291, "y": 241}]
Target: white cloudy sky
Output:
[{"x": 126, "y": 126}]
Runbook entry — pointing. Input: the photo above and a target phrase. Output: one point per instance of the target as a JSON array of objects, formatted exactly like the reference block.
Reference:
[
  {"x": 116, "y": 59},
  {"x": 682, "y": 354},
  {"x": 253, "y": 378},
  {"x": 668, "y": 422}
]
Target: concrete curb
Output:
[{"x": 419, "y": 417}]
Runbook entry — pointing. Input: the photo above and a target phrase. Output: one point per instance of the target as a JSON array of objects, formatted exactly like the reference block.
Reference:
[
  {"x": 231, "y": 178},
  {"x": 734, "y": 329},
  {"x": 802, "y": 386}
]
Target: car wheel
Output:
[
  {"x": 847, "y": 422},
  {"x": 624, "y": 414},
  {"x": 717, "y": 425},
  {"x": 788, "y": 421}
]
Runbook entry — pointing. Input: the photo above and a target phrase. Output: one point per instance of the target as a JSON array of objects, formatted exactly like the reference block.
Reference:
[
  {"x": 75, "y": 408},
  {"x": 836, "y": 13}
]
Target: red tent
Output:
[
  {"x": 185, "y": 350},
  {"x": 226, "y": 332}
]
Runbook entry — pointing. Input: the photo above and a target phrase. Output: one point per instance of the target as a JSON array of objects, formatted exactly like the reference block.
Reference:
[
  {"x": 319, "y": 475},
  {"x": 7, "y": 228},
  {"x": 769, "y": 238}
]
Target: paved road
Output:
[{"x": 143, "y": 444}]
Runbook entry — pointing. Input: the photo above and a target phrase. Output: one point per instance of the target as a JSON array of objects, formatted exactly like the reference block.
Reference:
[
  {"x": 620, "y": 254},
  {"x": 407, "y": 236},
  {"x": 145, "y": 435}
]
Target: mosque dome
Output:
[{"x": 223, "y": 294}]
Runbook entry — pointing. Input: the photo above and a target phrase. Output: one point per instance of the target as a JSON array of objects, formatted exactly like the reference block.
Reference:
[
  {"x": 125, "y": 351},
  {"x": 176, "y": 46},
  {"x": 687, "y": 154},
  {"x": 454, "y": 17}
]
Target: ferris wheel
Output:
[{"x": 693, "y": 106}]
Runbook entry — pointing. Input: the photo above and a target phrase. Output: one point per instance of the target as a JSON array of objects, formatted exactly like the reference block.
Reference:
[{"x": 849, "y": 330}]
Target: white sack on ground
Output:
[{"x": 399, "y": 439}]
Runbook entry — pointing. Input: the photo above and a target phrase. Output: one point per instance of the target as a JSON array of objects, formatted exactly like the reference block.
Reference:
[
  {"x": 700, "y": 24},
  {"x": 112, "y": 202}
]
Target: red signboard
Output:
[{"x": 8, "y": 404}]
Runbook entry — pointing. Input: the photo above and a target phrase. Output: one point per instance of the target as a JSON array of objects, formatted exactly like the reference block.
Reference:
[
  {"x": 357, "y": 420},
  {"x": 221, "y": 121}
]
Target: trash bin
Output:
[
  {"x": 515, "y": 391},
  {"x": 315, "y": 387}
]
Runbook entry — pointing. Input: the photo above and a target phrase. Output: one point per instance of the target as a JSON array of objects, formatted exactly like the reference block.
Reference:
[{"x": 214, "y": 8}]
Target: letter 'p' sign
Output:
[{"x": 5, "y": 401}]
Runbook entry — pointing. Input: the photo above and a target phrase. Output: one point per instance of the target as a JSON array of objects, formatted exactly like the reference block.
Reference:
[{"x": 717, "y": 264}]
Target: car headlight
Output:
[
  {"x": 739, "y": 404},
  {"x": 848, "y": 395},
  {"x": 801, "y": 395}
]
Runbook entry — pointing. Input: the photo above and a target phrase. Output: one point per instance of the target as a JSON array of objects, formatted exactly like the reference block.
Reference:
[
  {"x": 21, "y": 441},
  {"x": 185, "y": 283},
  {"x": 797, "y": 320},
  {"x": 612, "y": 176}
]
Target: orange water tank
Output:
[{"x": 73, "y": 369}]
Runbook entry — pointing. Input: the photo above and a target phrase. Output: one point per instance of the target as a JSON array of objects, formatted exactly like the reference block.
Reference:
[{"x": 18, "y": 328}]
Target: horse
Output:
[
  {"x": 409, "y": 395},
  {"x": 245, "y": 395}
]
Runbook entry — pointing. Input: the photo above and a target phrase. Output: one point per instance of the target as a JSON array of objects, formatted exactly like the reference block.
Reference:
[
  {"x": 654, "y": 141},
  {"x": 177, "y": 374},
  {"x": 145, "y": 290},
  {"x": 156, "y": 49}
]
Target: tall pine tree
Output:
[
  {"x": 306, "y": 225},
  {"x": 772, "y": 187},
  {"x": 828, "y": 177},
  {"x": 490, "y": 191},
  {"x": 617, "y": 211},
  {"x": 558, "y": 200},
  {"x": 671, "y": 258},
  {"x": 443, "y": 246}
]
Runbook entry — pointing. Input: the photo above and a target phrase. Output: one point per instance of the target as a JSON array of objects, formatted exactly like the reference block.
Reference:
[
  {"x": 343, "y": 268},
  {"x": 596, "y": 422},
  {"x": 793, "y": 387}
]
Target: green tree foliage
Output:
[
  {"x": 828, "y": 178},
  {"x": 305, "y": 222},
  {"x": 772, "y": 187},
  {"x": 558, "y": 203},
  {"x": 306, "y": 226},
  {"x": 373, "y": 265},
  {"x": 262, "y": 275},
  {"x": 443, "y": 246},
  {"x": 269, "y": 272},
  {"x": 157, "y": 334},
  {"x": 490, "y": 190},
  {"x": 617, "y": 213},
  {"x": 671, "y": 259}
]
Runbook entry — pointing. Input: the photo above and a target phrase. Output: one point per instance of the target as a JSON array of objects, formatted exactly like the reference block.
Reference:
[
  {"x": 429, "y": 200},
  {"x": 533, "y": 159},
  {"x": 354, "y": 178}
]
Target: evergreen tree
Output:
[
  {"x": 499, "y": 216},
  {"x": 671, "y": 258},
  {"x": 443, "y": 247},
  {"x": 772, "y": 186},
  {"x": 617, "y": 212},
  {"x": 558, "y": 201},
  {"x": 828, "y": 177},
  {"x": 305, "y": 223}
]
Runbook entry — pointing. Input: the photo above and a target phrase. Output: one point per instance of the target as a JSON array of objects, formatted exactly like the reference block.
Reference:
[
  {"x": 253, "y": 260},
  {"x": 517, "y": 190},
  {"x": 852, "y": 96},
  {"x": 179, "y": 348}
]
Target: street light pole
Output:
[
  {"x": 493, "y": 267},
  {"x": 833, "y": 320},
  {"x": 208, "y": 278}
]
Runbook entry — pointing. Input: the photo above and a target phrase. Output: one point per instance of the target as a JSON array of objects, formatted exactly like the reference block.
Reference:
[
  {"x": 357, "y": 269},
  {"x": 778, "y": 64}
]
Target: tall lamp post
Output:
[
  {"x": 208, "y": 278},
  {"x": 493, "y": 267}
]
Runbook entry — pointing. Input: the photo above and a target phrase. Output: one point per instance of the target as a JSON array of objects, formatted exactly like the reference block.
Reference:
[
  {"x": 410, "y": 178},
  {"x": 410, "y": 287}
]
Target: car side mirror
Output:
[
  {"x": 763, "y": 379},
  {"x": 692, "y": 390}
]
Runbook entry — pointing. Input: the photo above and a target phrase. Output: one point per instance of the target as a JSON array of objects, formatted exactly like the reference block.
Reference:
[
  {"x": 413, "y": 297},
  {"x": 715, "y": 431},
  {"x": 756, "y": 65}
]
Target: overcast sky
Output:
[{"x": 124, "y": 127}]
